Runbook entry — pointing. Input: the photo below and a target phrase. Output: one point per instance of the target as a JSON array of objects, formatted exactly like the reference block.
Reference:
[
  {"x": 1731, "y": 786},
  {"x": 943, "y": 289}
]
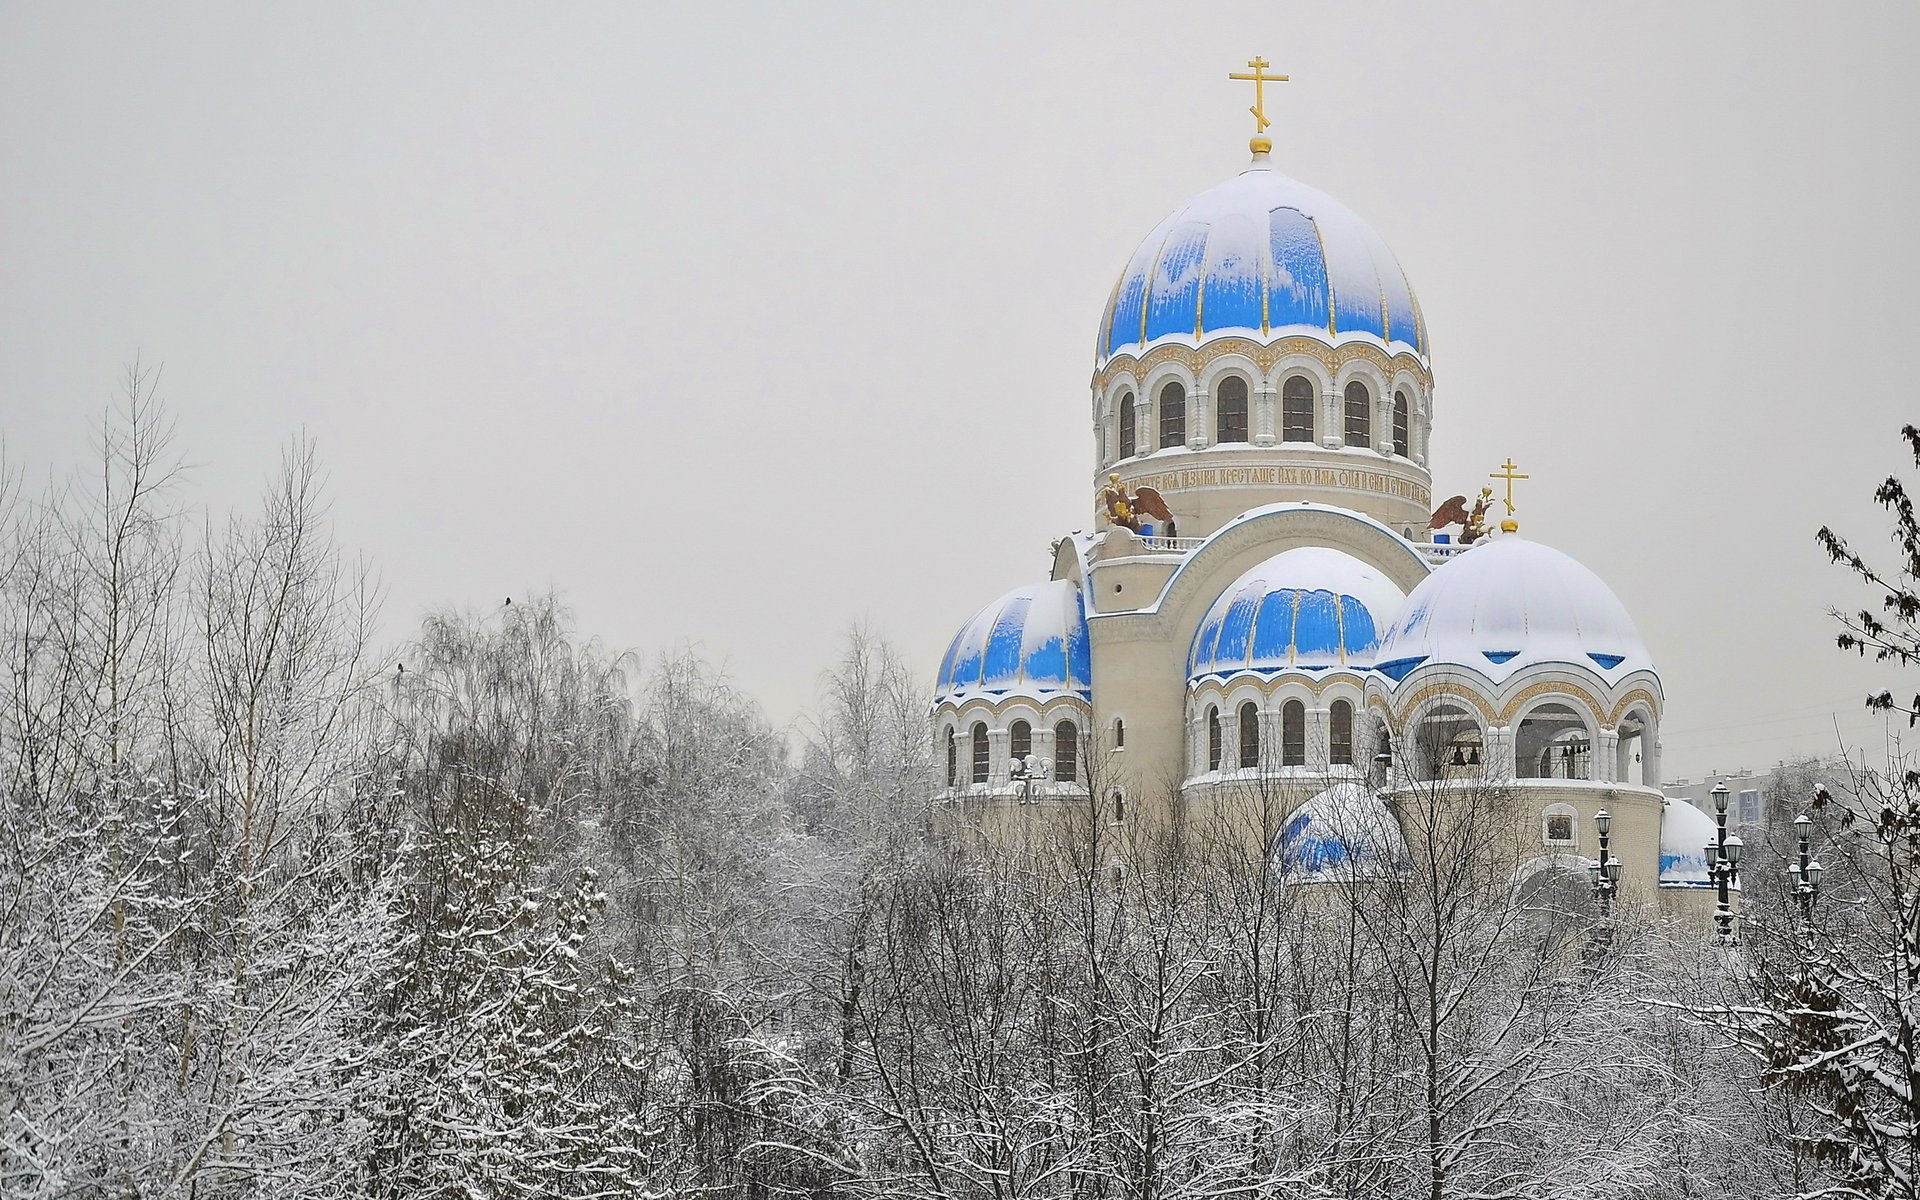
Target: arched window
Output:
[
  {"x": 1119, "y": 806},
  {"x": 1128, "y": 426},
  {"x": 1213, "y": 739},
  {"x": 953, "y": 758},
  {"x": 979, "y": 739},
  {"x": 1230, "y": 403},
  {"x": 1401, "y": 411},
  {"x": 1293, "y": 734},
  {"x": 1173, "y": 416},
  {"x": 1359, "y": 418},
  {"x": 1296, "y": 409},
  {"x": 1551, "y": 742},
  {"x": 1560, "y": 825},
  {"x": 1340, "y": 734},
  {"x": 1249, "y": 735},
  {"x": 1119, "y": 734},
  {"x": 1020, "y": 740},
  {"x": 1066, "y": 751}
]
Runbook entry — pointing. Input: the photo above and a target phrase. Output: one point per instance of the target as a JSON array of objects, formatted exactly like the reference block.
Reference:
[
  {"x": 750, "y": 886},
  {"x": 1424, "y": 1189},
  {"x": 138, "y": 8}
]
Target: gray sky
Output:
[{"x": 735, "y": 323}]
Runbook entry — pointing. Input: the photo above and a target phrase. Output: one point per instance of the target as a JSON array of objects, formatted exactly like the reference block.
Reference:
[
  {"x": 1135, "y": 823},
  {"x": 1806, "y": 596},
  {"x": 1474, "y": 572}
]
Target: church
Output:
[{"x": 1269, "y": 604}]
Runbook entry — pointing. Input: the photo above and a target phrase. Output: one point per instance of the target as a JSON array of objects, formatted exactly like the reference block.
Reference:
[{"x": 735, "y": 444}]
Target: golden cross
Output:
[
  {"x": 1259, "y": 82},
  {"x": 1507, "y": 473}
]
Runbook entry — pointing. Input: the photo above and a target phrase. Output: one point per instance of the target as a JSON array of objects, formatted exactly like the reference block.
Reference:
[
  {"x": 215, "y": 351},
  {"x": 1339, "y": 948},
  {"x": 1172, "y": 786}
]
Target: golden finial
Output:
[
  {"x": 1506, "y": 472},
  {"x": 1261, "y": 143}
]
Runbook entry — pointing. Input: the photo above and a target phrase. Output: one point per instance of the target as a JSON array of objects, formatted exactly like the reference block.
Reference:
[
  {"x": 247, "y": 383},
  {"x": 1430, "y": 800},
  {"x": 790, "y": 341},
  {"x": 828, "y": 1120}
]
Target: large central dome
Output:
[{"x": 1260, "y": 255}]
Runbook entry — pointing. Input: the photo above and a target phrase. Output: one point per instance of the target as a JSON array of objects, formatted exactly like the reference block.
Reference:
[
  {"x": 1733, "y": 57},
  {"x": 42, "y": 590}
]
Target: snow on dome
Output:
[
  {"x": 1508, "y": 604},
  {"x": 1309, "y": 608},
  {"x": 1030, "y": 642},
  {"x": 1261, "y": 254},
  {"x": 1684, "y": 834},
  {"x": 1343, "y": 833}
]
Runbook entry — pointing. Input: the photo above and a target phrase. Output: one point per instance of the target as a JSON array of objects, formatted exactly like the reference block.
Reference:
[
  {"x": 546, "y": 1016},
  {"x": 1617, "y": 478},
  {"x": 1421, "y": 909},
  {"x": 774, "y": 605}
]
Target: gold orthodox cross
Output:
[
  {"x": 1507, "y": 473},
  {"x": 1259, "y": 80}
]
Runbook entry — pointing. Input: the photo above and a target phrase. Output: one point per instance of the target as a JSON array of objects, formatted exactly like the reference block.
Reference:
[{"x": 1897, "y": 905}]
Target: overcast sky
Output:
[{"x": 736, "y": 323}]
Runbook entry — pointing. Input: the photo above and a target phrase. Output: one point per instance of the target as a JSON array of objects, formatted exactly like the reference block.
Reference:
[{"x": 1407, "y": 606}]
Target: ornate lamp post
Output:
[
  {"x": 1805, "y": 872},
  {"x": 1723, "y": 865},
  {"x": 1605, "y": 875},
  {"x": 1027, "y": 771}
]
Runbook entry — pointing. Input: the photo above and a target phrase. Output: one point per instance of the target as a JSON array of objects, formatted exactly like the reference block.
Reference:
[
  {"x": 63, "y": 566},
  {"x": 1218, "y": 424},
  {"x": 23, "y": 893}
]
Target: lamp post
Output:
[
  {"x": 1805, "y": 871},
  {"x": 1027, "y": 771},
  {"x": 1723, "y": 865},
  {"x": 1605, "y": 875}
]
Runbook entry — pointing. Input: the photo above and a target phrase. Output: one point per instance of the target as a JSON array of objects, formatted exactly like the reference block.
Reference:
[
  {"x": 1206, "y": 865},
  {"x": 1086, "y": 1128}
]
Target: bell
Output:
[
  {"x": 1473, "y": 756},
  {"x": 1458, "y": 759}
]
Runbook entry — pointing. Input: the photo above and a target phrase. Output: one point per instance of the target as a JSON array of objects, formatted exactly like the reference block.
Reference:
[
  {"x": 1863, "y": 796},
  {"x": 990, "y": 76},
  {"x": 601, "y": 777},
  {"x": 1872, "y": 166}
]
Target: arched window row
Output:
[
  {"x": 1247, "y": 729},
  {"x": 1144, "y": 424},
  {"x": 972, "y": 757},
  {"x": 1559, "y": 737}
]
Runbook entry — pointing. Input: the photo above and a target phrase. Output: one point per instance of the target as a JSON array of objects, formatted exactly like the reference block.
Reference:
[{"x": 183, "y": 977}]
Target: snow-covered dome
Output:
[
  {"x": 1342, "y": 833},
  {"x": 1308, "y": 608},
  {"x": 1508, "y": 604},
  {"x": 1262, "y": 254},
  {"x": 1030, "y": 642},
  {"x": 1684, "y": 834}
]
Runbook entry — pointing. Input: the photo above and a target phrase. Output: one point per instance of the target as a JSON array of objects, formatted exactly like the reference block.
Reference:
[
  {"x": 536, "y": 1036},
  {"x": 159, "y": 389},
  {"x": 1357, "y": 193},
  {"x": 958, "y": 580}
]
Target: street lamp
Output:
[
  {"x": 1027, "y": 771},
  {"x": 1805, "y": 872},
  {"x": 1605, "y": 875},
  {"x": 1723, "y": 865}
]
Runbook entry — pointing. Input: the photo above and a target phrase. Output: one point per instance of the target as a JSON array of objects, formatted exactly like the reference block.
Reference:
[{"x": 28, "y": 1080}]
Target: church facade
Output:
[{"x": 1262, "y": 609}]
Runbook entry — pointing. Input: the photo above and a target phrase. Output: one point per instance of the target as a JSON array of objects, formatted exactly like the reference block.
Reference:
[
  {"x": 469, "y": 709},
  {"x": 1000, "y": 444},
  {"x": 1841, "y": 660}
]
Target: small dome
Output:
[
  {"x": 1508, "y": 604},
  {"x": 1030, "y": 642},
  {"x": 1259, "y": 255},
  {"x": 1684, "y": 834},
  {"x": 1309, "y": 608},
  {"x": 1344, "y": 832}
]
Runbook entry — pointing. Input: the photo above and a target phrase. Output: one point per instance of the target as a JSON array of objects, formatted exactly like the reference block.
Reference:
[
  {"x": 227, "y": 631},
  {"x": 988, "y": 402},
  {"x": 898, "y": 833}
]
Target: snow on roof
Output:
[
  {"x": 1030, "y": 642},
  {"x": 1509, "y": 604},
  {"x": 1308, "y": 607}
]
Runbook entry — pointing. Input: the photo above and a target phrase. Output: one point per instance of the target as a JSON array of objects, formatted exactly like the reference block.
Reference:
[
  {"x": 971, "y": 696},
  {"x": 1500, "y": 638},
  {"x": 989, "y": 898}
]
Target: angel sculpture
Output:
[
  {"x": 1473, "y": 524},
  {"x": 1125, "y": 510}
]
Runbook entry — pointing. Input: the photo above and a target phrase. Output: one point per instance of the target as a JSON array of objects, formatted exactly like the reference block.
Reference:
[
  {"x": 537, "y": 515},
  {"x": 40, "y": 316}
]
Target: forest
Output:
[{"x": 502, "y": 912}]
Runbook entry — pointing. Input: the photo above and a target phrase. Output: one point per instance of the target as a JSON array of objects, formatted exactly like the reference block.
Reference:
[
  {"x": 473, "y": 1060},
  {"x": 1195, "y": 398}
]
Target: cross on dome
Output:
[
  {"x": 1506, "y": 472},
  {"x": 1259, "y": 79}
]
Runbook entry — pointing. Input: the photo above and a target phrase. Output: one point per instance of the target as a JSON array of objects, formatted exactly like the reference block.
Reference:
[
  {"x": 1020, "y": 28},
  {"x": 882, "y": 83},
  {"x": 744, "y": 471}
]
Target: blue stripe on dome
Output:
[
  {"x": 1356, "y": 300},
  {"x": 1231, "y": 299},
  {"x": 1360, "y": 635},
  {"x": 1273, "y": 632},
  {"x": 1236, "y": 629},
  {"x": 1004, "y": 643},
  {"x": 1125, "y": 326},
  {"x": 943, "y": 681},
  {"x": 1079, "y": 654},
  {"x": 1297, "y": 292},
  {"x": 1205, "y": 641},
  {"x": 1404, "y": 322},
  {"x": 1316, "y": 633},
  {"x": 966, "y": 667},
  {"x": 1173, "y": 301}
]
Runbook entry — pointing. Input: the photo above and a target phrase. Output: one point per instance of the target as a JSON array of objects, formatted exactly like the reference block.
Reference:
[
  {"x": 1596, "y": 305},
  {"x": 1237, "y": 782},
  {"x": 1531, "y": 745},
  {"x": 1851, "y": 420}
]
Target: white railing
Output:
[
  {"x": 1439, "y": 552},
  {"x": 1172, "y": 545}
]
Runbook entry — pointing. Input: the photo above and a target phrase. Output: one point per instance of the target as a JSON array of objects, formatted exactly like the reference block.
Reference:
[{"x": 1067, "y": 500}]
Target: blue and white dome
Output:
[
  {"x": 1344, "y": 832},
  {"x": 1684, "y": 834},
  {"x": 1309, "y": 608},
  {"x": 1262, "y": 254},
  {"x": 1030, "y": 642},
  {"x": 1508, "y": 604}
]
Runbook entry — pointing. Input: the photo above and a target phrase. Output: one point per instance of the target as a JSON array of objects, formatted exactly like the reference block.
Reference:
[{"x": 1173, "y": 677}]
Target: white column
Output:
[
  {"x": 1198, "y": 411},
  {"x": 1383, "y": 425},
  {"x": 997, "y": 757},
  {"x": 1496, "y": 753},
  {"x": 1320, "y": 738},
  {"x": 1333, "y": 423},
  {"x": 1265, "y": 422}
]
